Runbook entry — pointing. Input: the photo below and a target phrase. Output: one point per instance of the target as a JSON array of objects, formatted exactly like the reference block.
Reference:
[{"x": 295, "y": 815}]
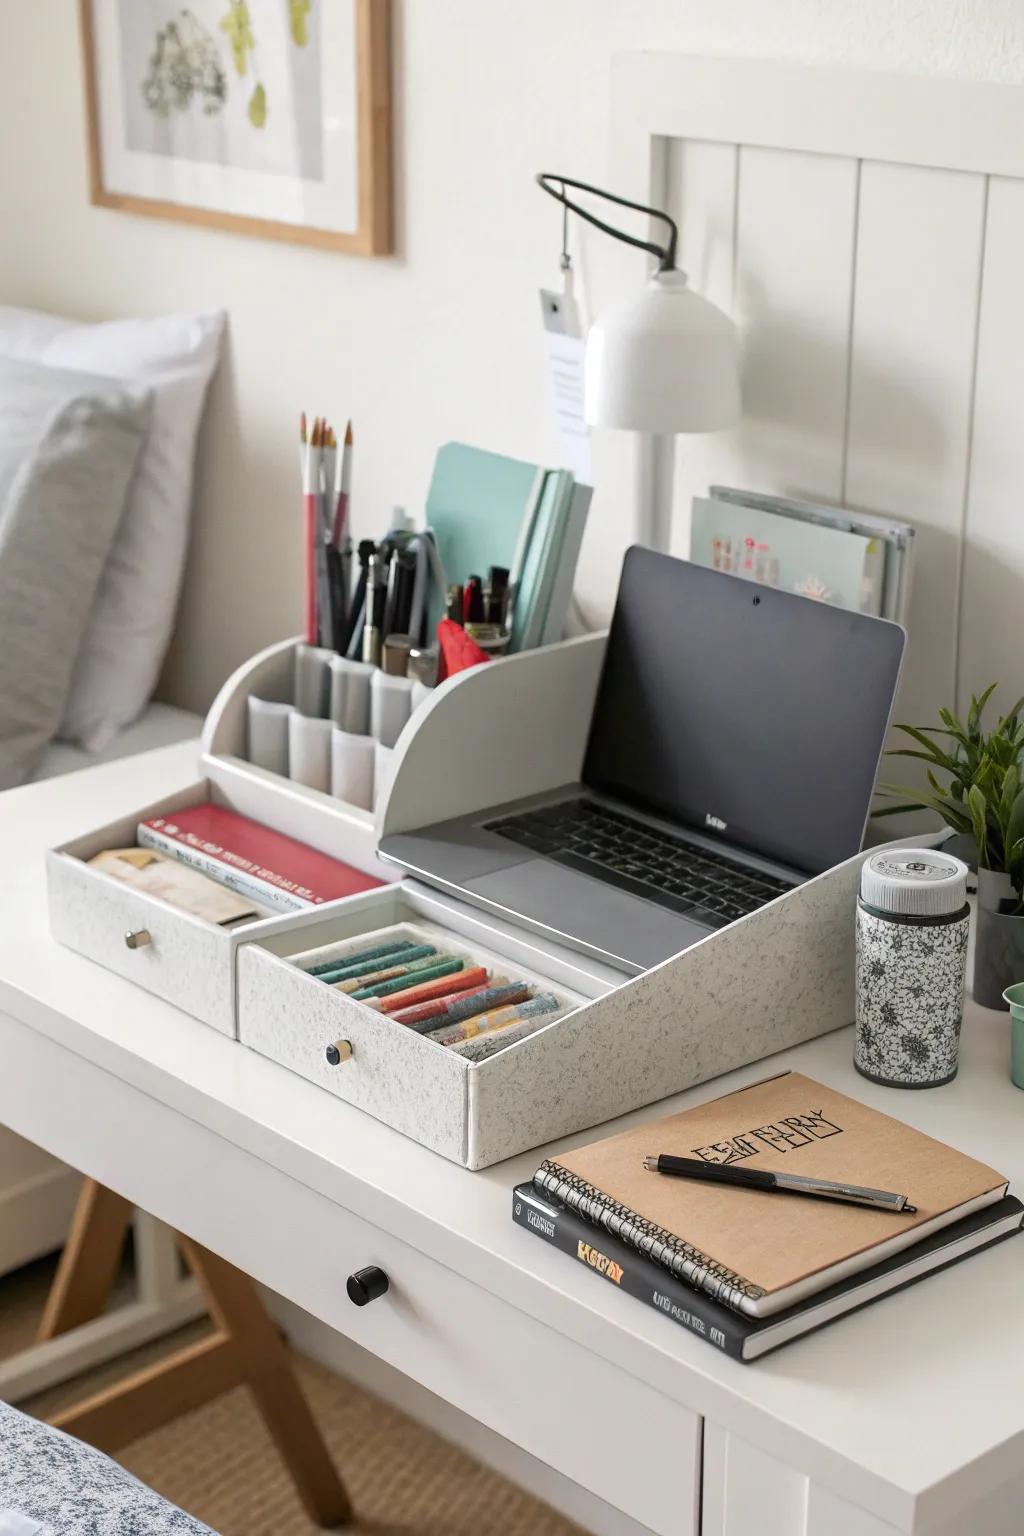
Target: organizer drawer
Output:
[
  {"x": 408, "y": 1081},
  {"x": 169, "y": 952}
]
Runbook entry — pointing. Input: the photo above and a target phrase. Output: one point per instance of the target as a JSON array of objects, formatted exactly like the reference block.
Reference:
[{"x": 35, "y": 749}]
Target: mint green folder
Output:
[
  {"x": 476, "y": 506},
  {"x": 541, "y": 565}
]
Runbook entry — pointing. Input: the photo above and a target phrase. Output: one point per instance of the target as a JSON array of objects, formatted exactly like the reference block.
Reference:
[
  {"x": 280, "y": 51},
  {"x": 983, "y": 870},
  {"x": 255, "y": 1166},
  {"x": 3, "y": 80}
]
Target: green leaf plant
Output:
[{"x": 983, "y": 791}]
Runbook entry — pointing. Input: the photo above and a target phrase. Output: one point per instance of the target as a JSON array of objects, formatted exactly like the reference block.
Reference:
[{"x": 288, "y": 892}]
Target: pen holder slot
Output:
[
  {"x": 352, "y": 768},
  {"x": 309, "y": 751},
  {"x": 268, "y": 734}
]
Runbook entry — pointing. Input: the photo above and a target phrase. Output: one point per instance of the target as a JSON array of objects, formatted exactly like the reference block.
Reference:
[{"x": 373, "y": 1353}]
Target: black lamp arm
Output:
[{"x": 555, "y": 187}]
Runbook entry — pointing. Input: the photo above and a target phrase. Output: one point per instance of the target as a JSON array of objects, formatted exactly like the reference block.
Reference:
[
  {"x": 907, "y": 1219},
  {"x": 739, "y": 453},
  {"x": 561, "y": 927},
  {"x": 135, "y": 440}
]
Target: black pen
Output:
[{"x": 777, "y": 1183}]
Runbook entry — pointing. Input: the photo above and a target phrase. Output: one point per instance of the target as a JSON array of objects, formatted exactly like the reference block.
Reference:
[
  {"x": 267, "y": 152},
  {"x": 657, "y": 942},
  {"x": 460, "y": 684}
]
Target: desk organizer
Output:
[{"x": 780, "y": 976}]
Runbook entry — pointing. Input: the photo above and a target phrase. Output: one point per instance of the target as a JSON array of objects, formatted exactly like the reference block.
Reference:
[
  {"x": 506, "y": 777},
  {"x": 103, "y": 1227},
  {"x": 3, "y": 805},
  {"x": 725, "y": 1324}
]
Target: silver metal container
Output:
[{"x": 912, "y": 923}]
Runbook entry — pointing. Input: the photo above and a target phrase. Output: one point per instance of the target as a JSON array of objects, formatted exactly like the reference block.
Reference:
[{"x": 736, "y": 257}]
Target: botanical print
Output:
[
  {"x": 910, "y": 988},
  {"x": 184, "y": 67},
  {"x": 225, "y": 82}
]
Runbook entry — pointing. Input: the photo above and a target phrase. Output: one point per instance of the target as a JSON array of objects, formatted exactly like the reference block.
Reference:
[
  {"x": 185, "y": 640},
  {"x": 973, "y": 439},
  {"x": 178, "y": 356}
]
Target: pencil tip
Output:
[{"x": 348, "y": 435}]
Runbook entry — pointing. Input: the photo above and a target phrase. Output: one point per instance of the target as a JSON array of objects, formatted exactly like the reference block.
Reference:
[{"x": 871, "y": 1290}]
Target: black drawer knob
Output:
[{"x": 366, "y": 1285}]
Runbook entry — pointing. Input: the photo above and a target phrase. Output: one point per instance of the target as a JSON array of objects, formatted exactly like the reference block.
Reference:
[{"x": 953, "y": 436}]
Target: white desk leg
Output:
[
  {"x": 745, "y": 1490},
  {"x": 164, "y": 1301}
]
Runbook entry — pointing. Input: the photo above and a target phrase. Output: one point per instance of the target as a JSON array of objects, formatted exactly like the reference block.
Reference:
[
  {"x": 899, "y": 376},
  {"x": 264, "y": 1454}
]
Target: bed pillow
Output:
[
  {"x": 124, "y": 645},
  {"x": 69, "y": 445}
]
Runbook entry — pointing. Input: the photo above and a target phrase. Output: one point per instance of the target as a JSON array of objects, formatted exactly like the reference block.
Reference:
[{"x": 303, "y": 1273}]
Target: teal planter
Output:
[{"x": 1014, "y": 996}]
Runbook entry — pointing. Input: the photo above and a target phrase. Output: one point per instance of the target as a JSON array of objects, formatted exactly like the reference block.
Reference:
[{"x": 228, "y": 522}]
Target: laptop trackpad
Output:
[{"x": 585, "y": 910}]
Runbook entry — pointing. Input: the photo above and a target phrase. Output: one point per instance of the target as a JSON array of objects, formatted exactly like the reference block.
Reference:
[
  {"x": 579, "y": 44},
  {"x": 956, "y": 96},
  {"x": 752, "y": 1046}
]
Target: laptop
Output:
[{"x": 733, "y": 748}]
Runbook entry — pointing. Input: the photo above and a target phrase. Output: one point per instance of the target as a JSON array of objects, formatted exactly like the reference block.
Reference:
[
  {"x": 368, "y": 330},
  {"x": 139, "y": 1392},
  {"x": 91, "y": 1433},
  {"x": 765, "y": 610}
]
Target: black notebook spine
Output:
[{"x": 626, "y": 1269}]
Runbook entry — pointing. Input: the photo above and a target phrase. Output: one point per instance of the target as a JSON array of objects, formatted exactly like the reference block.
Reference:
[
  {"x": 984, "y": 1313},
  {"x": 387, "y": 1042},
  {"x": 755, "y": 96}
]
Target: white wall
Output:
[{"x": 442, "y": 340}]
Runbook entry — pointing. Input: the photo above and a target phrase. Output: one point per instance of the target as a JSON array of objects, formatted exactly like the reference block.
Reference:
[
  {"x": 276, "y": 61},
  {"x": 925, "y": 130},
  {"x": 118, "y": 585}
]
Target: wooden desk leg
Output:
[
  {"x": 89, "y": 1262},
  {"x": 245, "y": 1349},
  {"x": 235, "y": 1306}
]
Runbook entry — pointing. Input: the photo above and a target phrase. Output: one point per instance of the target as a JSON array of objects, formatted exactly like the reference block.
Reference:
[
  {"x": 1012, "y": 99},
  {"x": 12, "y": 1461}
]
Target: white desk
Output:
[{"x": 908, "y": 1416}]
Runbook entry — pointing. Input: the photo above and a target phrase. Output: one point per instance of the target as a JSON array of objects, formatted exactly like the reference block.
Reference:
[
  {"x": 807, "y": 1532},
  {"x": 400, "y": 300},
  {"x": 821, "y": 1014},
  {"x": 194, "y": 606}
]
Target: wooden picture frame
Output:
[{"x": 373, "y": 234}]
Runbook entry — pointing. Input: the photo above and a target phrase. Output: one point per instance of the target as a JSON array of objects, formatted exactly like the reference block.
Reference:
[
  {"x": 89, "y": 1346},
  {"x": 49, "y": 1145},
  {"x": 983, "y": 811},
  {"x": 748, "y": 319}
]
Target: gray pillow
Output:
[{"x": 68, "y": 448}]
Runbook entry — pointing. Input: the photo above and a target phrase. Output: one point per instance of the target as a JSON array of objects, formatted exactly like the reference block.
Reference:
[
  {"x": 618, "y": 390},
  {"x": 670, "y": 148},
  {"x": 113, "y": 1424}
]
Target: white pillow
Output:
[{"x": 125, "y": 640}]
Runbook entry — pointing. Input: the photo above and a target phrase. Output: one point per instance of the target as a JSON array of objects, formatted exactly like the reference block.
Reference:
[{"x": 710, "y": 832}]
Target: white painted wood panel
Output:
[
  {"x": 795, "y": 233},
  {"x": 919, "y": 252},
  {"x": 701, "y": 196},
  {"x": 747, "y": 1491},
  {"x": 993, "y": 572},
  {"x": 829, "y": 1515},
  {"x": 934, "y": 356},
  {"x": 788, "y": 279}
]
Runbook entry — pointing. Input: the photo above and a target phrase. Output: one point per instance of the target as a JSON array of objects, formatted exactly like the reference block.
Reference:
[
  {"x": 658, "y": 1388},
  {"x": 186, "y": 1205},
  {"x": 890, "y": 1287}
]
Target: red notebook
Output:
[{"x": 266, "y": 866}]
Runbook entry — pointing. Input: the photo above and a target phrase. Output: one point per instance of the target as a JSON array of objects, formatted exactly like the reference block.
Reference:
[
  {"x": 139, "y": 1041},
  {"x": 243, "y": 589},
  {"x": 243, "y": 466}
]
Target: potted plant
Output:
[{"x": 982, "y": 799}]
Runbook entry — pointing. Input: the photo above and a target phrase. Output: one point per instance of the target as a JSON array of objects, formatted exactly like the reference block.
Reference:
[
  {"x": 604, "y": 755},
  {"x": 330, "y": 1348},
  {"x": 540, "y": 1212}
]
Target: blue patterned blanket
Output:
[{"x": 52, "y": 1485}]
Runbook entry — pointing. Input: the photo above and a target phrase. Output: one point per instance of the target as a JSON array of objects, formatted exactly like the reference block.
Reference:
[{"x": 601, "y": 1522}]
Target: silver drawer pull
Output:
[
  {"x": 340, "y": 1051},
  {"x": 138, "y": 938}
]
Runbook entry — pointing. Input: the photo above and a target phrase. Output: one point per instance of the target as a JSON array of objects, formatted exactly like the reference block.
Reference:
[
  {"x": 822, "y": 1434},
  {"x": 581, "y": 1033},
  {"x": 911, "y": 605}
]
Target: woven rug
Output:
[{"x": 218, "y": 1462}]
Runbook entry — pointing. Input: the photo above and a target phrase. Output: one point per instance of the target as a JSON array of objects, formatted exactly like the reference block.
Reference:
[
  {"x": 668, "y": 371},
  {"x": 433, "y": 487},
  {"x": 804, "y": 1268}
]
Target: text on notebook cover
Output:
[{"x": 784, "y": 1135}]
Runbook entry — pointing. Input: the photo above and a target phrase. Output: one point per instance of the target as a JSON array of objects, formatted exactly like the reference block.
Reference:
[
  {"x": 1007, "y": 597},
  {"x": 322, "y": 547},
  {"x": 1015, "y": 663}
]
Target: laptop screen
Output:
[{"x": 747, "y": 713}]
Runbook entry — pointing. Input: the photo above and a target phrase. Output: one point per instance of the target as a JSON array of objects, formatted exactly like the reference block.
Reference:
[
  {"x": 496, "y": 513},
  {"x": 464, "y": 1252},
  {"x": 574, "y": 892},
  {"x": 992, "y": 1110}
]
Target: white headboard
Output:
[{"x": 867, "y": 232}]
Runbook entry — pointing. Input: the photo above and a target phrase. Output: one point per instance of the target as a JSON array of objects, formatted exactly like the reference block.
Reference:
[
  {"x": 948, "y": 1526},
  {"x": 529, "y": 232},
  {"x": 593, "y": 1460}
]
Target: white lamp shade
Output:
[{"x": 665, "y": 361}]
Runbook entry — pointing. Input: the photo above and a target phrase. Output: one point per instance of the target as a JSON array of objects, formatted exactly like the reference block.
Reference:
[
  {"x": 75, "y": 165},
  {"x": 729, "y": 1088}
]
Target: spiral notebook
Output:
[{"x": 759, "y": 1252}]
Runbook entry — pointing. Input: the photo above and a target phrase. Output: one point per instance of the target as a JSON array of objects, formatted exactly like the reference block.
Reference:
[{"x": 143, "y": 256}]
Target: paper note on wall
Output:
[{"x": 564, "y": 349}]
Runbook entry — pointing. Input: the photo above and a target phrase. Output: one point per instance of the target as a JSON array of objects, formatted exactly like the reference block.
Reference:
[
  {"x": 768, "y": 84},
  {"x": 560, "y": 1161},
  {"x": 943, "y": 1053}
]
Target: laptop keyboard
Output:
[{"x": 675, "y": 873}]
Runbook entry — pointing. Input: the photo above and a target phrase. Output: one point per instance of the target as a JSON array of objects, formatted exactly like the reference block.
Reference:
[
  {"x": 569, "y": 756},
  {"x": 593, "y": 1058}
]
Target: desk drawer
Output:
[
  {"x": 591, "y": 1421},
  {"x": 625, "y": 1442}
]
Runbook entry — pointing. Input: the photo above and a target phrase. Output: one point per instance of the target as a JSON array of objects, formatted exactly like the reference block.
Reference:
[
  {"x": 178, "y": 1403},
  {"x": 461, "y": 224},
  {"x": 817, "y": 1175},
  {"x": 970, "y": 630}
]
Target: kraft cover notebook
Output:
[
  {"x": 748, "y": 1338},
  {"x": 759, "y": 1252}
]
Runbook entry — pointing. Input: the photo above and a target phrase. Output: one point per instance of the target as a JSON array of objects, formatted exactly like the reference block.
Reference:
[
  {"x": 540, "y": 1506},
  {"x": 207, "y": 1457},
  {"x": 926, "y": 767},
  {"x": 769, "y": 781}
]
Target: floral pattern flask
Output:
[{"x": 912, "y": 922}]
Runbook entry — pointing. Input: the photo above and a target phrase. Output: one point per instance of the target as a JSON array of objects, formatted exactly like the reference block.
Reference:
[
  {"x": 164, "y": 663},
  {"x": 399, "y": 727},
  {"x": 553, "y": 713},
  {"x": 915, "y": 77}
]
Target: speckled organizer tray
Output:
[{"x": 778, "y": 977}]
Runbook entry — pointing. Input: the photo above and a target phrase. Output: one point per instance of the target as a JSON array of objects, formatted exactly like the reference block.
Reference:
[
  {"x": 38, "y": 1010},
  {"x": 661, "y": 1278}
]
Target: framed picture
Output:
[{"x": 267, "y": 117}]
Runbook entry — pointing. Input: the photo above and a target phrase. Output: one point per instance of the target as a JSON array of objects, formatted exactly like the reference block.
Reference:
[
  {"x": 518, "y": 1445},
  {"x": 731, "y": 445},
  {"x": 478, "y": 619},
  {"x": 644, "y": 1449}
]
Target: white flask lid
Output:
[{"x": 917, "y": 882}]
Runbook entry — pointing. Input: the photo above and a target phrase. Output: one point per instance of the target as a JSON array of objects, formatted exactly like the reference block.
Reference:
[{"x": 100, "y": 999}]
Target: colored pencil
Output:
[
  {"x": 383, "y": 989},
  {"x": 401, "y": 967},
  {"x": 423, "y": 1017},
  {"x": 426, "y": 992},
  {"x": 343, "y": 971},
  {"x": 375, "y": 952},
  {"x": 501, "y": 1018}
]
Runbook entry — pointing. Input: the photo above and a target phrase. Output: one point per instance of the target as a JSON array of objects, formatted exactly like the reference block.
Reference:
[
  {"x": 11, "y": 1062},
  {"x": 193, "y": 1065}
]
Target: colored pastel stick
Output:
[
  {"x": 426, "y": 1016},
  {"x": 431, "y": 989},
  {"x": 383, "y": 963},
  {"x": 501, "y": 1018},
  {"x": 391, "y": 972},
  {"x": 360, "y": 955},
  {"x": 482, "y": 1046},
  {"x": 498, "y": 995},
  {"x": 385, "y": 988}
]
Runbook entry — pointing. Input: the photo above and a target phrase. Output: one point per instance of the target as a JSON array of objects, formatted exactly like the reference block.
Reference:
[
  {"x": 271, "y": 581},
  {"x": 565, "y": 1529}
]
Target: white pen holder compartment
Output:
[
  {"x": 419, "y": 1087},
  {"x": 299, "y": 761},
  {"x": 514, "y": 726},
  {"x": 162, "y": 948}
]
